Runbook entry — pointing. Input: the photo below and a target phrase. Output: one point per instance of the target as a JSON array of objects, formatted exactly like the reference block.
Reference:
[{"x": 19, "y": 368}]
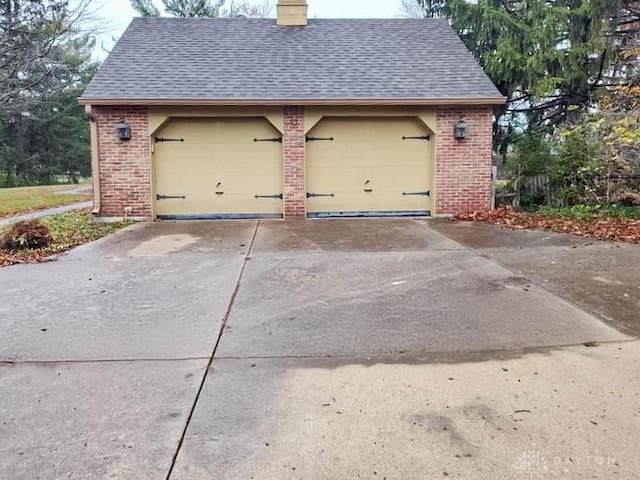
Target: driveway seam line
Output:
[
  {"x": 100, "y": 360},
  {"x": 225, "y": 318}
]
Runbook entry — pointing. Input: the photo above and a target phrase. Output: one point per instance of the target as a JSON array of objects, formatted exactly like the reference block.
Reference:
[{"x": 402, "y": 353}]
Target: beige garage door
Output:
[
  {"x": 218, "y": 168},
  {"x": 369, "y": 167}
]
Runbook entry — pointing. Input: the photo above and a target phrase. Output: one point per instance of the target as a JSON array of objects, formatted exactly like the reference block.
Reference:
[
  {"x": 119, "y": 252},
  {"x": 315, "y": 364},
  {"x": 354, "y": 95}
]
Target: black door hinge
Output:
[
  {"x": 425, "y": 194},
  {"x": 277, "y": 195},
  {"x": 162, "y": 139},
  {"x": 274, "y": 139},
  {"x": 168, "y": 197},
  {"x": 314, "y": 195},
  {"x": 319, "y": 139},
  {"x": 422, "y": 137}
]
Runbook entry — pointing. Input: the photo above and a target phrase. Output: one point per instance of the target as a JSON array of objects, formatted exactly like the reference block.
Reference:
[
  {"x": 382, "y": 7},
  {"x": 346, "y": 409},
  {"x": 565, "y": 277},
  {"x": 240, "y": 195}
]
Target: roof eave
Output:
[{"x": 498, "y": 100}]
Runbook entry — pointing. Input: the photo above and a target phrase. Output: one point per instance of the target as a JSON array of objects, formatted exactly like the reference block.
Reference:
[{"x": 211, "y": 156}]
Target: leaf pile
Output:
[
  {"x": 601, "y": 228},
  {"x": 67, "y": 230},
  {"x": 26, "y": 234}
]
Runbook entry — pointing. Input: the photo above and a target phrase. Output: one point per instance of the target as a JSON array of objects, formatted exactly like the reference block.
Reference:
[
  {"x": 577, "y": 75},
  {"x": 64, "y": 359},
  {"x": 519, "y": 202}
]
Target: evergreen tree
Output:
[
  {"x": 45, "y": 63},
  {"x": 549, "y": 57}
]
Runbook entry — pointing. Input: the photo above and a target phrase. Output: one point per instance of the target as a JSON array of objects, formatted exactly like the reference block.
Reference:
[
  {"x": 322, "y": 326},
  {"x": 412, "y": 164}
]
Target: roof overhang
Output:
[{"x": 466, "y": 101}]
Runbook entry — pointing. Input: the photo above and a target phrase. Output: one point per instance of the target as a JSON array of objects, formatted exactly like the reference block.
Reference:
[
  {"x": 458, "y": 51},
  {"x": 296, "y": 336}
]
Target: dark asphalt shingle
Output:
[{"x": 240, "y": 58}]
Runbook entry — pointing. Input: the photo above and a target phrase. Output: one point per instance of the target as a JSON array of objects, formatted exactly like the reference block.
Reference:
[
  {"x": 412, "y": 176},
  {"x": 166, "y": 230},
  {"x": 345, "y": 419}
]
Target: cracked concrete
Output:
[{"x": 323, "y": 349}]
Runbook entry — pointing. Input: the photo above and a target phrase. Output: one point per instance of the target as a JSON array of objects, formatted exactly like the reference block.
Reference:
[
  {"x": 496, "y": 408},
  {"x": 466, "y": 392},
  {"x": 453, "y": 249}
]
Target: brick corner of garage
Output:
[
  {"x": 463, "y": 167},
  {"x": 124, "y": 170}
]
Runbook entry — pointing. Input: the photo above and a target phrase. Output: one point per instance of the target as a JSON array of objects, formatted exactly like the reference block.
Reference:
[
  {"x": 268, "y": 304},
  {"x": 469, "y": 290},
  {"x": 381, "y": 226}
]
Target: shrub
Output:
[
  {"x": 589, "y": 212},
  {"x": 26, "y": 234},
  {"x": 531, "y": 201},
  {"x": 531, "y": 154}
]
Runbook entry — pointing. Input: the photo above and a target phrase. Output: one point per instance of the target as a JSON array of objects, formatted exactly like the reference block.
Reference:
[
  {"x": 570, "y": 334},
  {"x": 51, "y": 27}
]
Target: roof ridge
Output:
[{"x": 322, "y": 19}]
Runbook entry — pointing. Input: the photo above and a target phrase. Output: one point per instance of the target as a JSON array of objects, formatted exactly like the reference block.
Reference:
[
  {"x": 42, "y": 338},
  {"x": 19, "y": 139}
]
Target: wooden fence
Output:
[{"x": 547, "y": 192}]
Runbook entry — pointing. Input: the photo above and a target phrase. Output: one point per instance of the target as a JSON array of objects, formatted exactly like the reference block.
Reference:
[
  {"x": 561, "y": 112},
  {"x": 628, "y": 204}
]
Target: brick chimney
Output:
[{"x": 292, "y": 13}]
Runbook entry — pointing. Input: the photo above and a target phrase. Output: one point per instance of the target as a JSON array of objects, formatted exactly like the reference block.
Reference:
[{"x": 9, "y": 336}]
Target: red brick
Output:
[
  {"x": 294, "y": 163},
  {"x": 125, "y": 166},
  {"x": 463, "y": 167}
]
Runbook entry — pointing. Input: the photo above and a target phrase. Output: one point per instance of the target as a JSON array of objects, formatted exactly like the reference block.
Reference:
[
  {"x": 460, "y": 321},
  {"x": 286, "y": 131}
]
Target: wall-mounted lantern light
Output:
[
  {"x": 460, "y": 130},
  {"x": 124, "y": 130}
]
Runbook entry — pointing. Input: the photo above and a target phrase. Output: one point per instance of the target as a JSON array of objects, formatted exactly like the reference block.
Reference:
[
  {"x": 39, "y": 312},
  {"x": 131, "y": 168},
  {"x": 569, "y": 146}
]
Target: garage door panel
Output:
[
  {"x": 398, "y": 178},
  {"x": 337, "y": 155},
  {"x": 209, "y": 204},
  {"x": 368, "y": 130},
  {"x": 335, "y": 204},
  {"x": 219, "y": 168},
  {"x": 398, "y": 153},
  {"x": 209, "y": 176},
  {"x": 369, "y": 166},
  {"x": 237, "y": 131},
  {"x": 337, "y": 179},
  {"x": 351, "y": 202},
  {"x": 249, "y": 158},
  {"x": 192, "y": 206},
  {"x": 223, "y": 131},
  {"x": 238, "y": 182},
  {"x": 365, "y": 129}
]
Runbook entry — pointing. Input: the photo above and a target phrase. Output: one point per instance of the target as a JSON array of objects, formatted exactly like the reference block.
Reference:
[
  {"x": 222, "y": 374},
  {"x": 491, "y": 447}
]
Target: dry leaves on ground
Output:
[
  {"x": 13, "y": 258},
  {"x": 68, "y": 231},
  {"x": 616, "y": 229}
]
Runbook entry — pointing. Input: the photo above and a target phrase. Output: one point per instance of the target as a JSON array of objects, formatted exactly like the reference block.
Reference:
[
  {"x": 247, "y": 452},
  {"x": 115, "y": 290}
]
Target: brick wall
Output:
[
  {"x": 125, "y": 166},
  {"x": 295, "y": 196},
  {"x": 463, "y": 167}
]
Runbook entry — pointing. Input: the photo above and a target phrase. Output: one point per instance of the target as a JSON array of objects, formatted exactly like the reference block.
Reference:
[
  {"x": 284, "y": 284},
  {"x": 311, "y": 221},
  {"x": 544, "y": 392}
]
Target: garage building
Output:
[{"x": 289, "y": 118}]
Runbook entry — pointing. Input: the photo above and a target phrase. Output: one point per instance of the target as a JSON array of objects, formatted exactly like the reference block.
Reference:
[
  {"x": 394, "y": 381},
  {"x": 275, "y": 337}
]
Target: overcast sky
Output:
[{"x": 118, "y": 13}]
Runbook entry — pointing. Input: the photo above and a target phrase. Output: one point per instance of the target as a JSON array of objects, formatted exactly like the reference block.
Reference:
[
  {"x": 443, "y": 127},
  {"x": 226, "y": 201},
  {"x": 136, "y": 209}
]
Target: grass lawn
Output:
[
  {"x": 67, "y": 230},
  {"x": 14, "y": 201}
]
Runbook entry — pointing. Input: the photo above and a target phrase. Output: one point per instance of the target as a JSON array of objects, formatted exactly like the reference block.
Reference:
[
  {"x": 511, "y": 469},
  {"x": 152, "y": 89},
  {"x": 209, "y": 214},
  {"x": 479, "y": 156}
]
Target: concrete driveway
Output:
[{"x": 328, "y": 349}]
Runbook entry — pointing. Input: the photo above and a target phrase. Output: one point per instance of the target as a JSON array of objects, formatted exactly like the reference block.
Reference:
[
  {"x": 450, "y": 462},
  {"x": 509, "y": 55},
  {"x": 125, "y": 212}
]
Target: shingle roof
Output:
[{"x": 254, "y": 59}]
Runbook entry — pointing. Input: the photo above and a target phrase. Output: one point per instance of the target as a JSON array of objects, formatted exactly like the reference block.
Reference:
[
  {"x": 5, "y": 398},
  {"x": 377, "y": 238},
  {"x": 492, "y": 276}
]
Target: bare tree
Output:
[
  {"x": 422, "y": 8},
  {"x": 203, "y": 8},
  {"x": 38, "y": 40},
  {"x": 247, "y": 9},
  {"x": 411, "y": 9}
]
